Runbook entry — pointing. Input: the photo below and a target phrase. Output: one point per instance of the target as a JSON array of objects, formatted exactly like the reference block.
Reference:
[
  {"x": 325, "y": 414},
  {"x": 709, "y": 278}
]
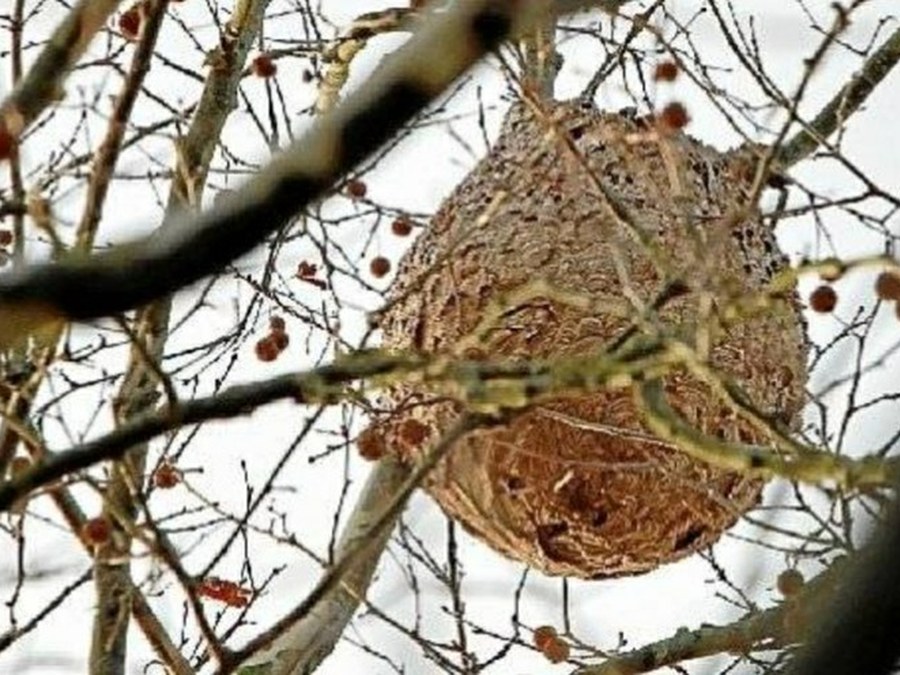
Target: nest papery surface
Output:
[{"x": 575, "y": 485}]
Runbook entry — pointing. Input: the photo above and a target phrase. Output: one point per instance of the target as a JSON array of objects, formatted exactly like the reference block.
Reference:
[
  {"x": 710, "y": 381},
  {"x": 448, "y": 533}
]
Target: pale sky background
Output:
[{"x": 416, "y": 176}]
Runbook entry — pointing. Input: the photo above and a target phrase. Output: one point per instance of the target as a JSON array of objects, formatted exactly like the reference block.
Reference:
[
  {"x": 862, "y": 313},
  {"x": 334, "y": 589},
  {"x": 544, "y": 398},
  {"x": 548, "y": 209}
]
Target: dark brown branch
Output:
[
  {"x": 319, "y": 384},
  {"x": 103, "y": 284}
]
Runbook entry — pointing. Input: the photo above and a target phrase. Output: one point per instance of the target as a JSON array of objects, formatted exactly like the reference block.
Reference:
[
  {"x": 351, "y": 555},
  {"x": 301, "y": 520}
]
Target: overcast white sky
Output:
[{"x": 416, "y": 176}]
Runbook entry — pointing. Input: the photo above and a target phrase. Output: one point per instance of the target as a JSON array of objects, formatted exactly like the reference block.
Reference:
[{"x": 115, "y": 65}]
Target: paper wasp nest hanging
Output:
[{"x": 575, "y": 486}]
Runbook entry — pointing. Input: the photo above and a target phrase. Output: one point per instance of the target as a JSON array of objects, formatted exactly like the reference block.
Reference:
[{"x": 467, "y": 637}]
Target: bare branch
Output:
[
  {"x": 304, "y": 646},
  {"x": 379, "y": 526},
  {"x": 768, "y": 629},
  {"x": 42, "y": 86},
  {"x": 846, "y": 102},
  {"x": 103, "y": 284}
]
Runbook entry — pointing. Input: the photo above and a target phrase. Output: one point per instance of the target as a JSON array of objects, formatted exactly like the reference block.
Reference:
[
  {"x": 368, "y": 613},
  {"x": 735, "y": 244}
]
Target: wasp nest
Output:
[{"x": 574, "y": 485}]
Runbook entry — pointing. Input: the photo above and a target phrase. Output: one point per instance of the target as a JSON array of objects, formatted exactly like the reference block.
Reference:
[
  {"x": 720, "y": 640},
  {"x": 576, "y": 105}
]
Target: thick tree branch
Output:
[
  {"x": 338, "y": 55},
  {"x": 814, "y": 467},
  {"x": 778, "y": 626},
  {"x": 843, "y": 105},
  {"x": 43, "y": 83},
  {"x": 857, "y": 631},
  {"x": 321, "y": 384},
  {"x": 355, "y": 553},
  {"x": 305, "y": 645},
  {"x": 103, "y": 284}
]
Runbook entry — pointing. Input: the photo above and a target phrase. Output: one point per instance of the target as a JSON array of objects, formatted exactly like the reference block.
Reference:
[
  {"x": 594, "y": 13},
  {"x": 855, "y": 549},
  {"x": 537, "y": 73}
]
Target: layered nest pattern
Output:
[{"x": 576, "y": 486}]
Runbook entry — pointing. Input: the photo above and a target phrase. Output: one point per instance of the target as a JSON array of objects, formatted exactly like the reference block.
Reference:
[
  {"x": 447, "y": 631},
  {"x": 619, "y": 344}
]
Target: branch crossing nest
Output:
[{"x": 575, "y": 485}]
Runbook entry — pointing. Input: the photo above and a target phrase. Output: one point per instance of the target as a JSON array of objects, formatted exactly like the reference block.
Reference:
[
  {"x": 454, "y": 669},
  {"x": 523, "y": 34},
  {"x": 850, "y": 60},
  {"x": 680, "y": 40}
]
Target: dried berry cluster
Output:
[
  {"x": 307, "y": 271},
  {"x": 270, "y": 347},
  {"x": 166, "y": 476},
  {"x": 224, "y": 591}
]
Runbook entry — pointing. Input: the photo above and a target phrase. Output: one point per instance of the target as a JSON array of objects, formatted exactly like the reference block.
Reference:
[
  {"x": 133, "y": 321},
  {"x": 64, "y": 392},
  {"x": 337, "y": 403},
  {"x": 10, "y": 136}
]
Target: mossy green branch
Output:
[{"x": 810, "y": 467}]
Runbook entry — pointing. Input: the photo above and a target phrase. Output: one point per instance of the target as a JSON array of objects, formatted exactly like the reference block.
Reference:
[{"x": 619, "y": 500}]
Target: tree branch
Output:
[
  {"x": 814, "y": 467},
  {"x": 843, "y": 105},
  {"x": 305, "y": 645},
  {"x": 357, "y": 550},
  {"x": 857, "y": 631},
  {"x": 112, "y": 578},
  {"x": 778, "y": 626},
  {"x": 137, "y": 393},
  {"x": 103, "y": 284},
  {"x": 320, "y": 384},
  {"x": 42, "y": 85}
]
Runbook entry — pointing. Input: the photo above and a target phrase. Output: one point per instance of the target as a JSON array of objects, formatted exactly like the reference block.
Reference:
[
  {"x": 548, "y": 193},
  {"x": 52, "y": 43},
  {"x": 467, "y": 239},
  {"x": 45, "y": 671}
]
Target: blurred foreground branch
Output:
[
  {"x": 43, "y": 84},
  {"x": 84, "y": 287}
]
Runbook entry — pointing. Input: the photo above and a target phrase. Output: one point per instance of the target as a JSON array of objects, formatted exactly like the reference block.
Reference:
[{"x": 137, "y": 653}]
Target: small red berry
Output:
[
  {"x": 263, "y": 66},
  {"x": 371, "y": 445},
  {"x": 166, "y": 476},
  {"x": 130, "y": 23},
  {"x": 823, "y": 299},
  {"x": 543, "y": 636},
  {"x": 266, "y": 349},
  {"x": 276, "y": 324},
  {"x": 6, "y": 237},
  {"x": 673, "y": 117},
  {"x": 887, "y": 286},
  {"x": 356, "y": 188},
  {"x": 281, "y": 340},
  {"x": 305, "y": 269},
  {"x": 557, "y": 650},
  {"x": 665, "y": 71},
  {"x": 379, "y": 266},
  {"x": 96, "y": 530},
  {"x": 790, "y": 582},
  {"x": 401, "y": 227}
]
